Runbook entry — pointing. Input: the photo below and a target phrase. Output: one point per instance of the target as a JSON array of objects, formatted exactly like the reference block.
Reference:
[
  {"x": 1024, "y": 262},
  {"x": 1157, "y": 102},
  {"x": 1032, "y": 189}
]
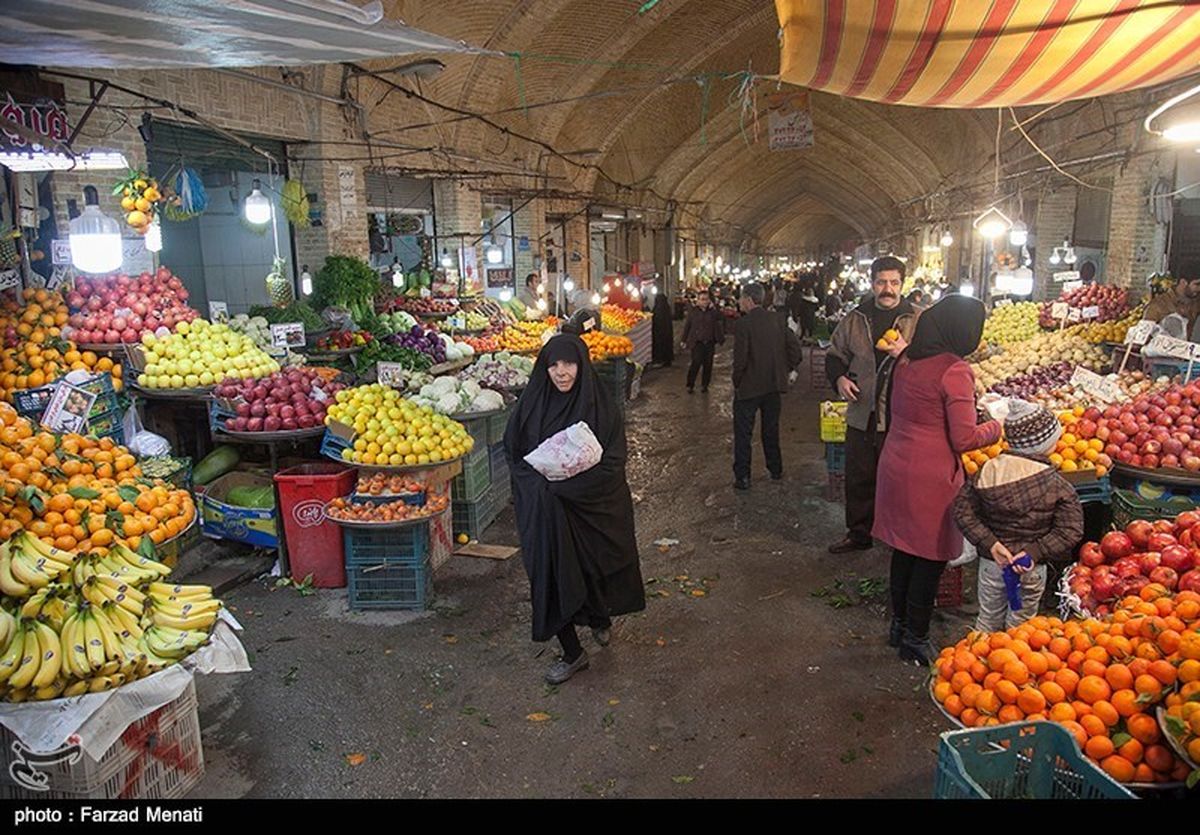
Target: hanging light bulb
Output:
[
  {"x": 447, "y": 262},
  {"x": 541, "y": 304},
  {"x": 635, "y": 293},
  {"x": 1019, "y": 234},
  {"x": 397, "y": 275},
  {"x": 1069, "y": 257},
  {"x": 1055, "y": 257},
  {"x": 606, "y": 287},
  {"x": 541, "y": 289},
  {"x": 257, "y": 206},
  {"x": 506, "y": 295},
  {"x": 654, "y": 290},
  {"x": 568, "y": 285},
  {"x": 95, "y": 237},
  {"x": 306, "y": 287},
  {"x": 595, "y": 298},
  {"x": 937, "y": 293},
  {"x": 154, "y": 236},
  {"x": 495, "y": 254}
]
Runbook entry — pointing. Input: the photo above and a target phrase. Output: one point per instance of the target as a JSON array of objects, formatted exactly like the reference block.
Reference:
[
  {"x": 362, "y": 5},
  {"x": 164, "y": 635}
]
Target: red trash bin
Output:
[{"x": 314, "y": 543}]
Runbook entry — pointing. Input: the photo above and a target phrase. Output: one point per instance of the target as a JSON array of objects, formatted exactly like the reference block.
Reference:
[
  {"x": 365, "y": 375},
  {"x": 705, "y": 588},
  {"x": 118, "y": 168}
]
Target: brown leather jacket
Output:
[{"x": 852, "y": 343}]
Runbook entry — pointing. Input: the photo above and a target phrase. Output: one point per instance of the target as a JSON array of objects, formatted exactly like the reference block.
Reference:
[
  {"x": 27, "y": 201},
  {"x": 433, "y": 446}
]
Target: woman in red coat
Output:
[{"x": 933, "y": 421}]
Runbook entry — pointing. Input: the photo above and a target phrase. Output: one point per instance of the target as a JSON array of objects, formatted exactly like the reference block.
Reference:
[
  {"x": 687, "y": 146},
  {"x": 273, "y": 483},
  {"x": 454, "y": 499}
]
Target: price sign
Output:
[
  {"x": 391, "y": 374},
  {"x": 1090, "y": 313},
  {"x": 9, "y": 278},
  {"x": 1002, "y": 303},
  {"x": 218, "y": 311},
  {"x": 1074, "y": 314},
  {"x": 288, "y": 335},
  {"x": 1099, "y": 387},
  {"x": 1163, "y": 345},
  {"x": 68, "y": 408},
  {"x": 1067, "y": 275},
  {"x": 60, "y": 252},
  {"x": 58, "y": 277},
  {"x": 1071, "y": 286},
  {"x": 1059, "y": 310},
  {"x": 1140, "y": 333}
]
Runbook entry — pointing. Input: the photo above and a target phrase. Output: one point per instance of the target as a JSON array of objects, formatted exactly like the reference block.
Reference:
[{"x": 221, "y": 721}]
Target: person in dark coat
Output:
[
  {"x": 703, "y": 331},
  {"x": 577, "y": 536},
  {"x": 662, "y": 331},
  {"x": 932, "y": 423},
  {"x": 765, "y": 352}
]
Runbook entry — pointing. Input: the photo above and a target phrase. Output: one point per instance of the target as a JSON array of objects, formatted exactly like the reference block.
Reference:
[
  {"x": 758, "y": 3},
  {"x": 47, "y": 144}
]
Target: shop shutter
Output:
[
  {"x": 204, "y": 149},
  {"x": 392, "y": 193}
]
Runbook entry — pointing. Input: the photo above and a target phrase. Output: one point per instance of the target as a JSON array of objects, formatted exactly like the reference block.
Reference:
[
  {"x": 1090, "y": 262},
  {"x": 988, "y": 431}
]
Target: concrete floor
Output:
[{"x": 773, "y": 683}]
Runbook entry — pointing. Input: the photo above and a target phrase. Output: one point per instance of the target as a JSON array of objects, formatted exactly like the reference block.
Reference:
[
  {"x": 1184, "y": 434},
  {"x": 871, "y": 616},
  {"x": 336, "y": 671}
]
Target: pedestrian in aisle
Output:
[
  {"x": 662, "y": 331},
  {"x": 577, "y": 535},
  {"x": 703, "y": 331},
  {"x": 765, "y": 352},
  {"x": 933, "y": 421},
  {"x": 856, "y": 369},
  {"x": 1019, "y": 505}
]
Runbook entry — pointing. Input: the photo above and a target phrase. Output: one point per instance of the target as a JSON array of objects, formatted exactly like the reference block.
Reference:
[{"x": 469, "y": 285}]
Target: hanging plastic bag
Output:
[
  {"x": 141, "y": 443},
  {"x": 565, "y": 454}
]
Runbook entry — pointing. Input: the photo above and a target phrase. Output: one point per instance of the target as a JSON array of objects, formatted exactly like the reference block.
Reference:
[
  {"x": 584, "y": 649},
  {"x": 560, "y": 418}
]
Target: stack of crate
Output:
[
  {"x": 485, "y": 488},
  {"x": 833, "y": 433}
]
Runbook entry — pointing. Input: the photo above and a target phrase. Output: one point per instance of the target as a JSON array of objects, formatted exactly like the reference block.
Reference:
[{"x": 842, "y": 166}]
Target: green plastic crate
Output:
[
  {"x": 1128, "y": 506},
  {"x": 1023, "y": 760},
  {"x": 497, "y": 424},
  {"x": 476, "y": 476}
]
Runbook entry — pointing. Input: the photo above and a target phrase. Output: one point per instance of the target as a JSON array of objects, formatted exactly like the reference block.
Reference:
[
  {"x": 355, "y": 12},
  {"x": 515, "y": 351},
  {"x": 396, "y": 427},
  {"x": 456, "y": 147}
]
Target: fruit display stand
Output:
[{"x": 640, "y": 335}]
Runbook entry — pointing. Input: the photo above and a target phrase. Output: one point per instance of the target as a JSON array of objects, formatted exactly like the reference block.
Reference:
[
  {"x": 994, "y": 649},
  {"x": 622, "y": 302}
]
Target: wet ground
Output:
[{"x": 759, "y": 668}]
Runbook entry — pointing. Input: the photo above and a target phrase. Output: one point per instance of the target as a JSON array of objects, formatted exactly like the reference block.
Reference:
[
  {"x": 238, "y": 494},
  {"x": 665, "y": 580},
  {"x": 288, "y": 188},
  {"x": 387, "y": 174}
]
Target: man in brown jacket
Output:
[
  {"x": 765, "y": 351},
  {"x": 1017, "y": 505},
  {"x": 856, "y": 370},
  {"x": 1183, "y": 298}
]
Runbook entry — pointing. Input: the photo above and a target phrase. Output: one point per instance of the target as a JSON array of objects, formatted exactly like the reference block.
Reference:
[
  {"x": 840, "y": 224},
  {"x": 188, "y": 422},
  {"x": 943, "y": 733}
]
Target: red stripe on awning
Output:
[
  {"x": 992, "y": 28},
  {"x": 1033, "y": 50},
  {"x": 885, "y": 13},
  {"x": 1165, "y": 66},
  {"x": 1176, "y": 20},
  {"x": 935, "y": 22},
  {"x": 1098, "y": 40},
  {"x": 835, "y": 21}
]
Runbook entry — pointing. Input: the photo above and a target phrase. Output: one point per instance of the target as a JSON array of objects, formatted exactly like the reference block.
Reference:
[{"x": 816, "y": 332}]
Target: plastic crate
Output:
[
  {"x": 332, "y": 445},
  {"x": 169, "y": 553},
  {"x": 950, "y": 588},
  {"x": 473, "y": 518},
  {"x": 390, "y": 585},
  {"x": 108, "y": 425},
  {"x": 835, "y": 458},
  {"x": 833, "y": 421},
  {"x": 1128, "y": 506},
  {"x": 31, "y": 403},
  {"x": 1095, "y": 492},
  {"x": 409, "y": 545},
  {"x": 179, "y": 475},
  {"x": 1160, "y": 367},
  {"x": 497, "y": 424},
  {"x": 160, "y": 757},
  {"x": 835, "y": 488},
  {"x": 816, "y": 365},
  {"x": 441, "y": 539},
  {"x": 1025, "y": 760},
  {"x": 477, "y": 429},
  {"x": 476, "y": 476},
  {"x": 498, "y": 460}
]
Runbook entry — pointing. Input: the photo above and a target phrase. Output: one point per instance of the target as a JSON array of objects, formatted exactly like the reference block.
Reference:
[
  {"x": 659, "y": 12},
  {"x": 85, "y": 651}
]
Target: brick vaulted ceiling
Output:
[{"x": 867, "y": 158}]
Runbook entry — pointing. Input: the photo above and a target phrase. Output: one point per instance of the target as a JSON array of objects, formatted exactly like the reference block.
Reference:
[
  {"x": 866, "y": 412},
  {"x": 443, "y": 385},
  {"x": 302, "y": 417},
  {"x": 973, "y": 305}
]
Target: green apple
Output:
[
  {"x": 192, "y": 381},
  {"x": 176, "y": 381},
  {"x": 143, "y": 380},
  {"x": 207, "y": 379}
]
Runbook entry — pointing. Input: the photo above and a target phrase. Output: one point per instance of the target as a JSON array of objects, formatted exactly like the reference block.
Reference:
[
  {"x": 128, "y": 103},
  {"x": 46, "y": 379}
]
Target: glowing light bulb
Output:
[
  {"x": 257, "y": 206},
  {"x": 541, "y": 304},
  {"x": 568, "y": 285},
  {"x": 95, "y": 238},
  {"x": 506, "y": 295},
  {"x": 447, "y": 262},
  {"x": 947, "y": 238},
  {"x": 595, "y": 298},
  {"x": 967, "y": 290}
]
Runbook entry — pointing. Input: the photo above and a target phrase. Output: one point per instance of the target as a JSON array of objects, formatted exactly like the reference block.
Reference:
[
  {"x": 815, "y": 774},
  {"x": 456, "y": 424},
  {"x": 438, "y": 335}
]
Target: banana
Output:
[
  {"x": 187, "y": 610},
  {"x": 135, "y": 560},
  {"x": 56, "y": 612},
  {"x": 52, "y": 655},
  {"x": 25, "y": 539},
  {"x": 75, "y": 688},
  {"x": 109, "y": 634},
  {"x": 203, "y": 620},
  {"x": 180, "y": 591},
  {"x": 34, "y": 605},
  {"x": 163, "y": 647},
  {"x": 51, "y": 691},
  {"x": 93, "y": 643},
  {"x": 8, "y": 583},
  {"x": 100, "y": 684},
  {"x": 109, "y": 668},
  {"x": 75, "y": 644},
  {"x": 31, "y": 661},
  {"x": 14, "y": 655},
  {"x": 8, "y": 628},
  {"x": 121, "y": 587},
  {"x": 125, "y": 620},
  {"x": 17, "y": 696}
]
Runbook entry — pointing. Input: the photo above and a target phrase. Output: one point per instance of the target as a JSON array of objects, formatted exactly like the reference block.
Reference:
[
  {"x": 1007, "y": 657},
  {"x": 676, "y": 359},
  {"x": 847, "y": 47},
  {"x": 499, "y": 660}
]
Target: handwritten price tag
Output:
[
  {"x": 1090, "y": 313},
  {"x": 1074, "y": 315},
  {"x": 288, "y": 335},
  {"x": 391, "y": 374},
  {"x": 1096, "y": 386},
  {"x": 1002, "y": 303},
  {"x": 1140, "y": 333},
  {"x": 1168, "y": 346},
  {"x": 1059, "y": 310},
  {"x": 1071, "y": 286}
]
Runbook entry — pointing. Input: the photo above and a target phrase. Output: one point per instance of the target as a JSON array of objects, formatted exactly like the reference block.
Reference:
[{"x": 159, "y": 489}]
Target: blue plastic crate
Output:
[
  {"x": 1160, "y": 367},
  {"x": 332, "y": 445},
  {"x": 390, "y": 585},
  {"x": 835, "y": 458},
  {"x": 1095, "y": 492},
  {"x": 414, "y": 499},
  {"x": 409, "y": 545},
  {"x": 1041, "y": 760}
]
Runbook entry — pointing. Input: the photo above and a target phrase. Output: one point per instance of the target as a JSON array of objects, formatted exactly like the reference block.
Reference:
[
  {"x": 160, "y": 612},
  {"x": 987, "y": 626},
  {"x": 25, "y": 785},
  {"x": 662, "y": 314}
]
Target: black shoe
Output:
[
  {"x": 602, "y": 634},
  {"x": 896, "y": 633},
  {"x": 562, "y": 670},
  {"x": 776, "y": 476},
  {"x": 704, "y": 390},
  {"x": 917, "y": 649},
  {"x": 850, "y": 544},
  {"x": 741, "y": 484},
  {"x": 692, "y": 390}
]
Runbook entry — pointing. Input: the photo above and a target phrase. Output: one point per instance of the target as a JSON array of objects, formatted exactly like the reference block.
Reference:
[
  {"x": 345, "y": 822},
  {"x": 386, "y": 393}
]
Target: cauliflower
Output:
[
  {"x": 449, "y": 404},
  {"x": 486, "y": 400},
  {"x": 444, "y": 385},
  {"x": 427, "y": 392},
  {"x": 471, "y": 389}
]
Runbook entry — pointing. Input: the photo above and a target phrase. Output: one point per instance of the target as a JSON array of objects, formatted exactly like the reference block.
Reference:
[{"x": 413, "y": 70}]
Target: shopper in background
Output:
[
  {"x": 765, "y": 352},
  {"x": 528, "y": 295},
  {"x": 933, "y": 421},
  {"x": 662, "y": 331},
  {"x": 1182, "y": 298},
  {"x": 577, "y": 535},
  {"x": 1019, "y": 505},
  {"x": 703, "y": 331},
  {"x": 855, "y": 368}
]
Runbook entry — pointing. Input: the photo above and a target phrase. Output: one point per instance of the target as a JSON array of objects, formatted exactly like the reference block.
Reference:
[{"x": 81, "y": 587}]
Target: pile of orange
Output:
[
  {"x": 79, "y": 493},
  {"x": 601, "y": 346},
  {"x": 619, "y": 319},
  {"x": 975, "y": 459},
  {"x": 1101, "y": 679},
  {"x": 1079, "y": 449},
  {"x": 34, "y": 352}
]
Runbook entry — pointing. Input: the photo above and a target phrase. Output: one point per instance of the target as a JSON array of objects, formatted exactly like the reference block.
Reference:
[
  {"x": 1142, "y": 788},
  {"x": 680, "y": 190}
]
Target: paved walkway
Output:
[{"x": 757, "y": 670}]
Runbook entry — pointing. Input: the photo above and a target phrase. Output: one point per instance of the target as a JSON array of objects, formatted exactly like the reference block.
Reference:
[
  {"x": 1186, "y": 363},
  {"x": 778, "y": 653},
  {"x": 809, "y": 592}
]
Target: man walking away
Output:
[
  {"x": 853, "y": 365},
  {"x": 703, "y": 331},
  {"x": 765, "y": 351}
]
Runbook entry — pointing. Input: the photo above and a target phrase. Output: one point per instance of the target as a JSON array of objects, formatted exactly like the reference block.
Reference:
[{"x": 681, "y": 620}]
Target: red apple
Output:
[
  {"x": 1090, "y": 555},
  {"x": 1149, "y": 562},
  {"x": 1127, "y": 567},
  {"x": 1160, "y": 541}
]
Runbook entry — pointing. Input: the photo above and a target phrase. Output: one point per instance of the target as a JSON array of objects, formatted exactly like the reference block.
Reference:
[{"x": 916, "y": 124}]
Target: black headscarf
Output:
[
  {"x": 952, "y": 326},
  {"x": 543, "y": 410}
]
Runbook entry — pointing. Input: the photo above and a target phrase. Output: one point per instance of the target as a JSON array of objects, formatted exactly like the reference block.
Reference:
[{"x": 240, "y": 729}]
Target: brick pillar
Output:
[
  {"x": 1055, "y": 222},
  {"x": 529, "y": 222},
  {"x": 458, "y": 215},
  {"x": 1135, "y": 240},
  {"x": 578, "y": 245}
]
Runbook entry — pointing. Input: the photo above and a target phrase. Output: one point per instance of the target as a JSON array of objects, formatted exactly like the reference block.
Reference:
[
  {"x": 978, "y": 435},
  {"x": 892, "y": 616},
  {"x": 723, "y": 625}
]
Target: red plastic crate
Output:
[
  {"x": 314, "y": 543},
  {"x": 950, "y": 588}
]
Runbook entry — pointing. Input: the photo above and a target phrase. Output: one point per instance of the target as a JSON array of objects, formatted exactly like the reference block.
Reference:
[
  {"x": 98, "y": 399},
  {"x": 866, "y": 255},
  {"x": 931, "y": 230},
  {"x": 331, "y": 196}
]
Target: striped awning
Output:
[{"x": 986, "y": 53}]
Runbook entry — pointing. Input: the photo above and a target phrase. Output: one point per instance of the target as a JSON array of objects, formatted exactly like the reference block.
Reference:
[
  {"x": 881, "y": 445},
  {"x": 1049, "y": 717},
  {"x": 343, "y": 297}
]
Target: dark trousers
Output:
[
  {"x": 702, "y": 356},
  {"x": 914, "y": 582},
  {"x": 862, "y": 460},
  {"x": 744, "y": 413}
]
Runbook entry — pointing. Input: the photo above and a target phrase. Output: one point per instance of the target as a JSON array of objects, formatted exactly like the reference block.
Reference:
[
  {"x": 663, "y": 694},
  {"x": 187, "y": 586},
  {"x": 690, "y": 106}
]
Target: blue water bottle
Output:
[{"x": 1012, "y": 581}]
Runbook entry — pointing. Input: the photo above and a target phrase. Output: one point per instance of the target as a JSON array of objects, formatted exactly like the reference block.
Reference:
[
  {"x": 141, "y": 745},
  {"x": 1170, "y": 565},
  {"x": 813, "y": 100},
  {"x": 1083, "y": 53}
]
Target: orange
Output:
[
  {"x": 1118, "y": 677},
  {"x": 1010, "y": 713},
  {"x": 970, "y": 717},
  {"x": 1093, "y": 725},
  {"x": 1098, "y": 747},
  {"x": 1060, "y": 647},
  {"x": 1193, "y": 749},
  {"x": 999, "y": 658},
  {"x": 953, "y": 705},
  {"x": 1037, "y": 663},
  {"x": 1189, "y": 670},
  {"x": 988, "y": 703},
  {"x": 1163, "y": 671},
  {"x": 941, "y": 690},
  {"x": 1106, "y": 712},
  {"x": 1053, "y": 692},
  {"x": 1077, "y": 731},
  {"x": 1093, "y": 689},
  {"x": 1092, "y": 667},
  {"x": 1031, "y": 700},
  {"x": 969, "y": 693},
  {"x": 1118, "y": 768},
  {"x": 1149, "y": 685},
  {"x": 1016, "y": 672},
  {"x": 1062, "y": 712},
  {"x": 1007, "y": 691},
  {"x": 1126, "y": 703},
  {"x": 1131, "y": 750},
  {"x": 1143, "y": 728},
  {"x": 1068, "y": 680}
]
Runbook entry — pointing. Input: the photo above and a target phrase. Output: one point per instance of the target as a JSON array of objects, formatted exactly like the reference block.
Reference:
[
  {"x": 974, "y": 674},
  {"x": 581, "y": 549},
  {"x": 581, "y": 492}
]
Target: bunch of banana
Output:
[
  {"x": 98, "y": 652},
  {"x": 53, "y": 604},
  {"x": 8, "y": 629},
  {"x": 32, "y": 662},
  {"x": 186, "y": 615},
  {"x": 28, "y": 564},
  {"x": 120, "y": 563}
]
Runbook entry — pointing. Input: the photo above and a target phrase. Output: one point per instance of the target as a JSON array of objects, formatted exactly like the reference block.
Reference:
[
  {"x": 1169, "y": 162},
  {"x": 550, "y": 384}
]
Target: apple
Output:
[
  {"x": 1090, "y": 555},
  {"x": 1149, "y": 562},
  {"x": 254, "y": 424},
  {"x": 1127, "y": 567},
  {"x": 1116, "y": 545},
  {"x": 1187, "y": 519},
  {"x": 272, "y": 424}
]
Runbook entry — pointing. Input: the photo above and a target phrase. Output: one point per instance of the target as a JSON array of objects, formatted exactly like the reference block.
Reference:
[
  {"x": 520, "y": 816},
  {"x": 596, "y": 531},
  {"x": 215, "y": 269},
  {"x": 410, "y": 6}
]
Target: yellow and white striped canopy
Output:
[{"x": 986, "y": 53}]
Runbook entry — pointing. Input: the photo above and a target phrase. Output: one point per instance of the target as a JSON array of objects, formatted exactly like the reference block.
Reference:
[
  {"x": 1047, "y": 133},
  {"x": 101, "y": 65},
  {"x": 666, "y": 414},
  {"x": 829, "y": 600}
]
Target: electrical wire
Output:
[{"x": 1049, "y": 158}]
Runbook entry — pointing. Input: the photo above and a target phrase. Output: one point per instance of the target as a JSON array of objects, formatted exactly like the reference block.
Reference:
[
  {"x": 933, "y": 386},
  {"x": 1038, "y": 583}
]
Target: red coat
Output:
[{"x": 920, "y": 472}]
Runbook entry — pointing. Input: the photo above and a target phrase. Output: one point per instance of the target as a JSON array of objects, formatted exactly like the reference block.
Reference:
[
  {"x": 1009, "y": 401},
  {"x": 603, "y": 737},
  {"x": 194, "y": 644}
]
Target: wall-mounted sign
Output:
[
  {"x": 501, "y": 278},
  {"x": 523, "y": 244},
  {"x": 218, "y": 311},
  {"x": 41, "y": 116},
  {"x": 60, "y": 252},
  {"x": 1069, "y": 275}
]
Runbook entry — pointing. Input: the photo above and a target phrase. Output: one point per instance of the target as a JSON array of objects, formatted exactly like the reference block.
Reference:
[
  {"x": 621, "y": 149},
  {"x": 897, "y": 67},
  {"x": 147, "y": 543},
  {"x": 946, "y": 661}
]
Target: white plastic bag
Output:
[
  {"x": 567, "y": 453},
  {"x": 141, "y": 443}
]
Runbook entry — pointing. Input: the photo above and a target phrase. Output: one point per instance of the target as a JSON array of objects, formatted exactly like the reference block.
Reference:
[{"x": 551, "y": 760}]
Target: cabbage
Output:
[
  {"x": 427, "y": 391},
  {"x": 465, "y": 349},
  {"x": 487, "y": 400}
]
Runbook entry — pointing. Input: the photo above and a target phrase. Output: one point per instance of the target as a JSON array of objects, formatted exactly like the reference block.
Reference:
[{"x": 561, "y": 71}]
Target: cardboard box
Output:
[{"x": 253, "y": 526}]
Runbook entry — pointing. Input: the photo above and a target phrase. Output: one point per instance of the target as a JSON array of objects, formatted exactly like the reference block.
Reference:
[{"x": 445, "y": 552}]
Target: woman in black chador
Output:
[
  {"x": 662, "y": 332},
  {"x": 577, "y": 537}
]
